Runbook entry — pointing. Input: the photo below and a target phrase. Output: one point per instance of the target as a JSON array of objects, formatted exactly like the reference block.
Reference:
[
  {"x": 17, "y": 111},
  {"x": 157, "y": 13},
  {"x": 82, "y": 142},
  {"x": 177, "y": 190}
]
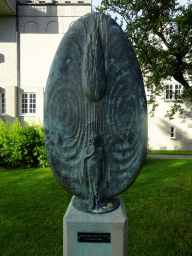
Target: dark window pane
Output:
[
  {"x": 34, "y": 110},
  {"x": 30, "y": 110},
  {"x": 30, "y": 105},
  {"x": 34, "y": 105}
]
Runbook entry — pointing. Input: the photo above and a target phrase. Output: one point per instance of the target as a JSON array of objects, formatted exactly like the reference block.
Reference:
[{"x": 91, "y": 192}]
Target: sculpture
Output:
[{"x": 95, "y": 113}]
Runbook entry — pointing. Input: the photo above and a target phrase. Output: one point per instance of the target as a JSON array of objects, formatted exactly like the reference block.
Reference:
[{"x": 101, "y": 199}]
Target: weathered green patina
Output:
[{"x": 95, "y": 113}]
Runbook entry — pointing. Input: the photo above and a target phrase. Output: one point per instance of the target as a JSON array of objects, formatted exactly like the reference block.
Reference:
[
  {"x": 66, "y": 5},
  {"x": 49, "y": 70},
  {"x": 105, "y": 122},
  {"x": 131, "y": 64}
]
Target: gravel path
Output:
[{"x": 170, "y": 156}]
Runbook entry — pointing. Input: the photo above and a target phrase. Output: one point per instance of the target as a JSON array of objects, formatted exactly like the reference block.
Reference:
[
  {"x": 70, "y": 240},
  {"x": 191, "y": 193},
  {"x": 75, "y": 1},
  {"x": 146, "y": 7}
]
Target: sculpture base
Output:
[
  {"x": 87, "y": 234},
  {"x": 109, "y": 205}
]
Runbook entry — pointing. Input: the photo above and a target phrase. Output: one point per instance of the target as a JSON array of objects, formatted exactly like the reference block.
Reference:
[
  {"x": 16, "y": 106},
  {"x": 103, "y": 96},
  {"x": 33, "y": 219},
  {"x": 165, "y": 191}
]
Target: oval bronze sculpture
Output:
[{"x": 95, "y": 113}]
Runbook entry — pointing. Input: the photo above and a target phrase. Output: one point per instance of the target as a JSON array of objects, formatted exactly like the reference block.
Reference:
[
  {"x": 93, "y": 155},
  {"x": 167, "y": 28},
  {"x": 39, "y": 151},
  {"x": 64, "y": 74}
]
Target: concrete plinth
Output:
[{"x": 86, "y": 234}]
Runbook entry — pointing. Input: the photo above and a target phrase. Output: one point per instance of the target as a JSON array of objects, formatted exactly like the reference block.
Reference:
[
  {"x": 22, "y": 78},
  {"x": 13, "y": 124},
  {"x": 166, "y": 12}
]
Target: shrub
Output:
[
  {"x": 9, "y": 143},
  {"x": 22, "y": 147}
]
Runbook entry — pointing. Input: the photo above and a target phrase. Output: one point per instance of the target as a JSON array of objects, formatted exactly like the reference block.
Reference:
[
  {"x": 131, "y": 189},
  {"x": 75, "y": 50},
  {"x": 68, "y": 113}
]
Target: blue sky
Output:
[{"x": 98, "y": 2}]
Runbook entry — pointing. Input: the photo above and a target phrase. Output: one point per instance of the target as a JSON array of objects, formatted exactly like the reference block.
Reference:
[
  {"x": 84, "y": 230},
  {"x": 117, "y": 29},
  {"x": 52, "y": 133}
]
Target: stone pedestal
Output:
[{"x": 86, "y": 234}]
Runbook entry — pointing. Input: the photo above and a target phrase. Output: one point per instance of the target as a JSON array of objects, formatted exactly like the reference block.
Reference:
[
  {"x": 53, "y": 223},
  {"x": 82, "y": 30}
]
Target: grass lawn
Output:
[
  {"x": 158, "y": 206},
  {"x": 169, "y": 152}
]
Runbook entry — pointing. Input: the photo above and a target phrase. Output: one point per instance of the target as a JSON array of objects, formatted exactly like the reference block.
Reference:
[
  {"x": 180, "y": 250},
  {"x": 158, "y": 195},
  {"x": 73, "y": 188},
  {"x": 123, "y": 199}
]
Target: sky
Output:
[{"x": 98, "y": 2}]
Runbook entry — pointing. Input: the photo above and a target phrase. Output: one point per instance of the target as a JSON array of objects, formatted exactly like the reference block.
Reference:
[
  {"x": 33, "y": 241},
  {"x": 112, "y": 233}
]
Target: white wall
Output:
[
  {"x": 159, "y": 127},
  {"x": 37, "y": 53},
  {"x": 8, "y": 64},
  {"x": 41, "y": 29},
  {"x": 8, "y": 52}
]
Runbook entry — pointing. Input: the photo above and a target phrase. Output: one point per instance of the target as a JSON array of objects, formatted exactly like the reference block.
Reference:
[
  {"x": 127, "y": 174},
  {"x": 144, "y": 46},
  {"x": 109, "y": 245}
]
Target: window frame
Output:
[
  {"x": 148, "y": 93},
  {"x": 22, "y": 102},
  {"x": 172, "y": 87},
  {"x": 1, "y": 104},
  {"x": 173, "y": 131},
  {"x": 179, "y": 89}
]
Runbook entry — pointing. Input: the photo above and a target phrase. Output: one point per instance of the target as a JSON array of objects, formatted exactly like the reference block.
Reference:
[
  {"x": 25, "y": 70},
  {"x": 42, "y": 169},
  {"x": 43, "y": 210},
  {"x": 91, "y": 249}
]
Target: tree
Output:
[{"x": 161, "y": 34}]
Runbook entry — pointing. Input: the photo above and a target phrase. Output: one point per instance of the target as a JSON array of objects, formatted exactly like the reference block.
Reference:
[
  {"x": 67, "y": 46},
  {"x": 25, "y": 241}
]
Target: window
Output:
[
  {"x": 173, "y": 91},
  {"x": 169, "y": 92},
  {"x": 177, "y": 90},
  {"x": 2, "y": 104},
  {"x": 148, "y": 93},
  {"x": 28, "y": 103},
  {"x": 172, "y": 132}
]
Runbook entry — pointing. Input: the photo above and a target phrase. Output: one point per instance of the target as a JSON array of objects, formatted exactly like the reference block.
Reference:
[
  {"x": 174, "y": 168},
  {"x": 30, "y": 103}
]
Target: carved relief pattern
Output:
[{"x": 95, "y": 110}]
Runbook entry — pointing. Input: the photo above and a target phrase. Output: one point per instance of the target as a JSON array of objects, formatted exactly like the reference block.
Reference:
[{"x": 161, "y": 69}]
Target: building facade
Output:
[
  {"x": 165, "y": 134},
  {"x": 30, "y": 32}
]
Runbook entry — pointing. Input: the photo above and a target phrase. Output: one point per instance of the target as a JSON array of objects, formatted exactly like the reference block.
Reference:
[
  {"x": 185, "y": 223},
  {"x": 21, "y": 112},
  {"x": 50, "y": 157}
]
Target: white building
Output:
[
  {"x": 30, "y": 32},
  {"x": 170, "y": 135}
]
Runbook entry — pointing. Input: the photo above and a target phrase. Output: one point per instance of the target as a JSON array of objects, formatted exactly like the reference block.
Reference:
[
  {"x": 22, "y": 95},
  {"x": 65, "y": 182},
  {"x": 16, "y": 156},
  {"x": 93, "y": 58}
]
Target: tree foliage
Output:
[{"x": 161, "y": 34}]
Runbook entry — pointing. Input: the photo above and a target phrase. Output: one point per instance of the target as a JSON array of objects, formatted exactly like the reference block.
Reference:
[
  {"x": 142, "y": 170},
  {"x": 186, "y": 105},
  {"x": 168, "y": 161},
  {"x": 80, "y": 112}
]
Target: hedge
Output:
[{"x": 22, "y": 147}]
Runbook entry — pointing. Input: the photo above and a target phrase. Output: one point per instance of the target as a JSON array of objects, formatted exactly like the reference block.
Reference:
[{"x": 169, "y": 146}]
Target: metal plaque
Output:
[{"x": 91, "y": 237}]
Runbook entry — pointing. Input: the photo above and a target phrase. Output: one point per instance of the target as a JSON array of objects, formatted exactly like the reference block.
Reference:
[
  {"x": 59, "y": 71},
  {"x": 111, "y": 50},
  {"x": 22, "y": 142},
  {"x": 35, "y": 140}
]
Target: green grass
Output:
[
  {"x": 158, "y": 206},
  {"x": 169, "y": 152}
]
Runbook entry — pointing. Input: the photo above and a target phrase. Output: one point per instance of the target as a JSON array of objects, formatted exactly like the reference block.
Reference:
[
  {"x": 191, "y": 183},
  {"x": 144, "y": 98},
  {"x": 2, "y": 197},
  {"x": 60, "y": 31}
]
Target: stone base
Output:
[{"x": 87, "y": 234}]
